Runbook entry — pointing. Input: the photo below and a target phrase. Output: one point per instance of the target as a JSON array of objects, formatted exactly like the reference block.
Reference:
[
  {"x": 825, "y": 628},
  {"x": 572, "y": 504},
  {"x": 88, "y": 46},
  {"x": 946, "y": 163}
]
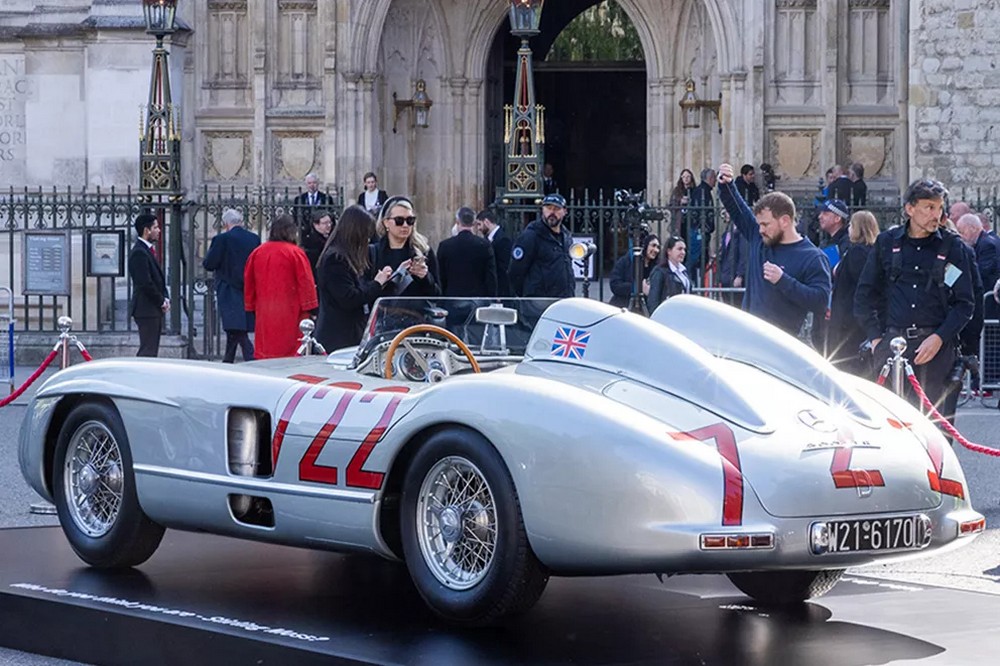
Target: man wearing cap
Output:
[
  {"x": 540, "y": 264},
  {"x": 833, "y": 217}
]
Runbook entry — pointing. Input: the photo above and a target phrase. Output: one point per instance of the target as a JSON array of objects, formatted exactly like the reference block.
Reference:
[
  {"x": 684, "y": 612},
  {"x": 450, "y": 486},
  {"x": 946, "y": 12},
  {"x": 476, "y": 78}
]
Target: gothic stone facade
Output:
[{"x": 270, "y": 91}]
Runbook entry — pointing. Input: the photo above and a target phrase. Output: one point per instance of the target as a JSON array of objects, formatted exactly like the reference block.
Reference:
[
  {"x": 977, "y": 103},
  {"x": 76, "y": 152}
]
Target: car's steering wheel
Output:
[{"x": 427, "y": 328}]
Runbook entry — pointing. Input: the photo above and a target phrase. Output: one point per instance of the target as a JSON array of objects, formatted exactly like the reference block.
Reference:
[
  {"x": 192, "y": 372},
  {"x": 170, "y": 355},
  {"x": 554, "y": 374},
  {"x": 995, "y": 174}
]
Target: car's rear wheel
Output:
[
  {"x": 463, "y": 535},
  {"x": 94, "y": 490},
  {"x": 785, "y": 587}
]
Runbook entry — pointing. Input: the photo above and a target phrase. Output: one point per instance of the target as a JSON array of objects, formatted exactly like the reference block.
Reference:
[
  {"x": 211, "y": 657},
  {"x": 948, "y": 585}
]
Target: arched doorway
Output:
[{"x": 590, "y": 76}]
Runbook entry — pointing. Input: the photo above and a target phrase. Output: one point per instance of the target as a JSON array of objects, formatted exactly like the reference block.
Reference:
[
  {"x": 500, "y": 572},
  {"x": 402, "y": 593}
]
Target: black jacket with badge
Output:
[
  {"x": 540, "y": 264},
  {"x": 924, "y": 283}
]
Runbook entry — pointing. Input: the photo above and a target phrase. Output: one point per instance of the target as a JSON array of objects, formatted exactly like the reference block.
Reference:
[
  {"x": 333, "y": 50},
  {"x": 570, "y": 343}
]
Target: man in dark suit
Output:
[
  {"x": 150, "y": 300},
  {"x": 494, "y": 233},
  {"x": 371, "y": 198},
  {"x": 227, "y": 256},
  {"x": 307, "y": 202},
  {"x": 466, "y": 266}
]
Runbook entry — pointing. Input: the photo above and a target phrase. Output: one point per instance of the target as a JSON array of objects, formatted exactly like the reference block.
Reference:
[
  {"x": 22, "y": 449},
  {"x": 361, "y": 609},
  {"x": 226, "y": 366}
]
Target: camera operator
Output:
[
  {"x": 917, "y": 284},
  {"x": 787, "y": 276}
]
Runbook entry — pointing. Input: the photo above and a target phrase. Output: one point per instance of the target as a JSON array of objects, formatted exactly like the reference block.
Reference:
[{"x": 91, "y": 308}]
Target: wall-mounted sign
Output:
[
  {"x": 105, "y": 253},
  {"x": 46, "y": 263}
]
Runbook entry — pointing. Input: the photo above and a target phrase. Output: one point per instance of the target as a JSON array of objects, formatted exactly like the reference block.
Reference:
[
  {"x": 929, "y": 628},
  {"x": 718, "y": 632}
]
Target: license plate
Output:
[{"x": 878, "y": 534}]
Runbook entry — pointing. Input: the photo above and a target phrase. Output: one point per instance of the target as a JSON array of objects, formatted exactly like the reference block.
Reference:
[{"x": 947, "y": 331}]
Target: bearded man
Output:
[
  {"x": 787, "y": 276},
  {"x": 540, "y": 264}
]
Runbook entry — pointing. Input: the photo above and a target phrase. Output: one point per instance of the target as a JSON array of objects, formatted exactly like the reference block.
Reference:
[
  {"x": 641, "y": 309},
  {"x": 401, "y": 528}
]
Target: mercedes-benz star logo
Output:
[{"x": 816, "y": 422}]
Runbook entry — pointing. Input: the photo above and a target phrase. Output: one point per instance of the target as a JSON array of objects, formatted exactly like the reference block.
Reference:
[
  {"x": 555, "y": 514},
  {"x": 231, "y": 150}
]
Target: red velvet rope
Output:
[
  {"x": 943, "y": 422},
  {"x": 83, "y": 352},
  {"x": 17, "y": 394},
  {"x": 881, "y": 380}
]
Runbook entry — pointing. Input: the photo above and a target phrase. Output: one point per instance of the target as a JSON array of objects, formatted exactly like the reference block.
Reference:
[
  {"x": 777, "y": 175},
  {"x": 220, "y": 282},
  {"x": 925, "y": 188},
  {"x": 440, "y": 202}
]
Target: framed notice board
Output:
[
  {"x": 105, "y": 253},
  {"x": 46, "y": 260}
]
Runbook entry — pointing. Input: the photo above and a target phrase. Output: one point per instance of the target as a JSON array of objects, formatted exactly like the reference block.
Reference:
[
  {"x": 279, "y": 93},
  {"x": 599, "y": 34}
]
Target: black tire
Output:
[
  {"x": 130, "y": 537},
  {"x": 514, "y": 578},
  {"x": 785, "y": 587}
]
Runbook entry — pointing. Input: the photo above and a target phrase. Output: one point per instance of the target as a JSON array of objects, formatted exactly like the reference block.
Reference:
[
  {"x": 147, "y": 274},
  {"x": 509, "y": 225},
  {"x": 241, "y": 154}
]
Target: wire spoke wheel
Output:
[
  {"x": 94, "y": 479},
  {"x": 457, "y": 523}
]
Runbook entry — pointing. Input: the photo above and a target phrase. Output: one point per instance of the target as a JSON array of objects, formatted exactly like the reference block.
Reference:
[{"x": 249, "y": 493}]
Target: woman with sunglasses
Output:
[
  {"x": 670, "y": 277},
  {"x": 343, "y": 290},
  {"x": 405, "y": 250}
]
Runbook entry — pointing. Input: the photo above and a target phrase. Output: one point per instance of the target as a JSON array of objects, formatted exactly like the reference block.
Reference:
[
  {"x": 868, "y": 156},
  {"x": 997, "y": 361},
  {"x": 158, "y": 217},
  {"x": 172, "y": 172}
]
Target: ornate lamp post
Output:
[
  {"x": 160, "y": 145},
  {"x": 524, "y": 121}
]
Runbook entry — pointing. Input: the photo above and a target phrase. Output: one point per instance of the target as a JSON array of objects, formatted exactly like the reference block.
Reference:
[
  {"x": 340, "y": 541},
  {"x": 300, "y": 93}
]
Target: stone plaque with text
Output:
[{"x": 14, "y": 88}]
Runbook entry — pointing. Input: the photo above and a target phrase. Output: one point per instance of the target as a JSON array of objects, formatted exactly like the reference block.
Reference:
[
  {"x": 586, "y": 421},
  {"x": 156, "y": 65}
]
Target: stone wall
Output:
[{"x": 955, "y": 91}]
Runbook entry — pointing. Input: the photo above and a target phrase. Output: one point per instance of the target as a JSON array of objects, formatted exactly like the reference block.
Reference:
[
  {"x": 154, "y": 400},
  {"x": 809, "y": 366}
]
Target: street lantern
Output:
[
  {"x": 159, "y": 15},
  {"x": 691, "y": 108},
  {"x": 421, "y": 105},
  {"x": 525, "y": 17},
  {"x": 524, "y": 121}
]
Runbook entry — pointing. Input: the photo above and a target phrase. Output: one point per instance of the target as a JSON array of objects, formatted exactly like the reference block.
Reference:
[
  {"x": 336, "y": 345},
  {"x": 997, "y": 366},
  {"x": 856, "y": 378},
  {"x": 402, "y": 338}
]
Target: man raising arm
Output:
[{"x": 787, "y": 276}]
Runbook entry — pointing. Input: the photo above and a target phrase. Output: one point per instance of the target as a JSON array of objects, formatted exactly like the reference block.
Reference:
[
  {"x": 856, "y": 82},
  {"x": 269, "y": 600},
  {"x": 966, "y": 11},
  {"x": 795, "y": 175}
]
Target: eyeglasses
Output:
[{"x": 400, "y": 221}]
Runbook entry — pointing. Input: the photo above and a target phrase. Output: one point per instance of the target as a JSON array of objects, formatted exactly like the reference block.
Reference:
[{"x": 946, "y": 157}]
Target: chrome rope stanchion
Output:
[
  {"x": 898, "y": 347},
  {"x": 44, "y": 508},
  {"x": 308, "y": 345}
]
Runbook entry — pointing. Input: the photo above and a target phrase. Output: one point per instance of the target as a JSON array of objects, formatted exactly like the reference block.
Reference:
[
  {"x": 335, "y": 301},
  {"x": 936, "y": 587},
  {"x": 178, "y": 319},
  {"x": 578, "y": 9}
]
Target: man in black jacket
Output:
[
  {"x": 227, "y": 256},
  {"x": 494, "y": 233},
  {"x": 466, "y": 266},
  {"x": 150, "y": 300},
  {"x": 540, "y": 264},
  {"x": 917, "y": 284}
]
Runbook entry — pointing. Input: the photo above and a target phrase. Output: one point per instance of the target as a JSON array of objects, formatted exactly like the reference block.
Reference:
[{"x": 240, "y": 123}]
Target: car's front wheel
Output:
[
  {"x": 785, "y": 587},
  {"x": 463, "y": 535},
  {"x": 93, "y": 486}
]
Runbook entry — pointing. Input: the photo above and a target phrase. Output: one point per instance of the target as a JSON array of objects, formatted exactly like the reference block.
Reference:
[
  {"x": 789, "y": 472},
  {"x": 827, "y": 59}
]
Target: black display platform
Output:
[{"x": 210, "y": 600}]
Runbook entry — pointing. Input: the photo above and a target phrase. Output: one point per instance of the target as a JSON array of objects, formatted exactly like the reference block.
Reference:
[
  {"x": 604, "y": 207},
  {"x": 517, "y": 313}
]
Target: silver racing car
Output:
[{"x": 489, "y": 445}]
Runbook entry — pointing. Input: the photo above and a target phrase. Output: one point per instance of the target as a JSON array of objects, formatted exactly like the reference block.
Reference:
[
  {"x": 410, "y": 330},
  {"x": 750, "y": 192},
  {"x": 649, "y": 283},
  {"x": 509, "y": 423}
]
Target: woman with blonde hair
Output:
[
  {"x": 844, "y": 335},
  {"x": 405, "y": 250}
]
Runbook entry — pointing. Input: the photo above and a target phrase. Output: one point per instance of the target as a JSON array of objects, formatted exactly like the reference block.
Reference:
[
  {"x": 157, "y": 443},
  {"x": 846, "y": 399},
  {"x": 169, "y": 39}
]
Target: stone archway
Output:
[
  {"x": 665, "y": 81},
  {"x": 454, "y": 148}
]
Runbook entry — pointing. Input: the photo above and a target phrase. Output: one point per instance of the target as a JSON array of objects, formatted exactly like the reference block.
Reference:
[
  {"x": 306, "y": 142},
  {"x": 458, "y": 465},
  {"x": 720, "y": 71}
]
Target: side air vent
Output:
[{"x": 248, "y": 438}]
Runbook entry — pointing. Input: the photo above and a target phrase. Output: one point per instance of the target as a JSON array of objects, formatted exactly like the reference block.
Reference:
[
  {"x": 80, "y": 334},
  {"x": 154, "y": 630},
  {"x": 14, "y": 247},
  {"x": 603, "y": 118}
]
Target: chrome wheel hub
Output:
[
  {"x": 456, "y": 523},
  {"x": 93, "y": 480}
]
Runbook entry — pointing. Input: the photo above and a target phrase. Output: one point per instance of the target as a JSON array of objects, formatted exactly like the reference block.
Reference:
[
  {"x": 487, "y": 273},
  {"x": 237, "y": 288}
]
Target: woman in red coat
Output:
[{"x": 278, "y": 286}]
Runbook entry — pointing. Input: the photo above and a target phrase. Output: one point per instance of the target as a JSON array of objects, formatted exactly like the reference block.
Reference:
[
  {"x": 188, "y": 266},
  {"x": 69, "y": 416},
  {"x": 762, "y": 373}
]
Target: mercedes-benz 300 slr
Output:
[{"x": 490, "y": 445}]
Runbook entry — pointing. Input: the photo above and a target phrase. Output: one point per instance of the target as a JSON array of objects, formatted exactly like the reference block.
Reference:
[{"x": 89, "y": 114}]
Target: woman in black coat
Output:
[
  {"x": 670, "y": 277},
  {"x": 623, "y": 273},
  {"x": 343, "y": 290},
  {"x": 401, "y": 246},
  {"x": 844, "y": 334}
]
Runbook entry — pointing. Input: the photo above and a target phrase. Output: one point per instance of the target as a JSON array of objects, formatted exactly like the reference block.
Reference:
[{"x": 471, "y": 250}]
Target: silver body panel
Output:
[{"x": 617, "y": 456}]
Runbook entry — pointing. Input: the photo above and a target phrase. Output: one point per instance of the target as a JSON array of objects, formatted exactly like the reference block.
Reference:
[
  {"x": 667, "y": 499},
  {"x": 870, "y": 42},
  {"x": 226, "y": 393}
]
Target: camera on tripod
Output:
[
  {"x": 968, "y": 362},
  {"x": 639, "y": 213},
  {"x": 770, "y": 178}
]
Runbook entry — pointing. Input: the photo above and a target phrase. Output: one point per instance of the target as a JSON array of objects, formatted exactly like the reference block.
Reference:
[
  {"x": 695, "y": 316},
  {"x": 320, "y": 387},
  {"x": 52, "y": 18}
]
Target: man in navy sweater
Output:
[{"x": 787, "y": 276}]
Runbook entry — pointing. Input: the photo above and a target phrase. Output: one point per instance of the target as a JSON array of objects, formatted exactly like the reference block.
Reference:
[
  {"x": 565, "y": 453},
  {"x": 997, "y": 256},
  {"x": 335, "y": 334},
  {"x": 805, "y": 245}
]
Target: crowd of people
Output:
[{"x": 848, "y": 296}]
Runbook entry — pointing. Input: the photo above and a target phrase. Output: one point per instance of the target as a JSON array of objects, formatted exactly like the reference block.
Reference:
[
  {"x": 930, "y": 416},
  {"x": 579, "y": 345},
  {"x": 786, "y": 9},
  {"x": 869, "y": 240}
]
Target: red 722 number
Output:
[{"x": 309, "y": 469}]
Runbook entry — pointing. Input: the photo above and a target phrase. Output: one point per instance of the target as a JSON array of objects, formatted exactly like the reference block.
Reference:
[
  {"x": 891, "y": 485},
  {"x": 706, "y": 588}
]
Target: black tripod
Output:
[{"x": 637, "y": 302}]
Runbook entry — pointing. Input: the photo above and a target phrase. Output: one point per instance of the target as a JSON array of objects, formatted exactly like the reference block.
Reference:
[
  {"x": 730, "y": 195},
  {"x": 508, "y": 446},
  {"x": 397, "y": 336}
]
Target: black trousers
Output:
[
  {"x": 236, "y": 339},
  {"x": 933, "y": 376},
  {"x": 149, "y": 335}
]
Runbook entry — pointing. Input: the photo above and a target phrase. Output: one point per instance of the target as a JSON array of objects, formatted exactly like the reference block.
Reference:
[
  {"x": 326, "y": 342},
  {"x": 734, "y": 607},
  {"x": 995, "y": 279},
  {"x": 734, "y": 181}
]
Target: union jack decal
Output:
[{"x": 570, "y": 342}]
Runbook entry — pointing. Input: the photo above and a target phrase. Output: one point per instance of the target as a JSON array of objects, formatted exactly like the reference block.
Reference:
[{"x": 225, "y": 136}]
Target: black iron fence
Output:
[
  {"x": 603, "y": 219},
  {"x": 58, "y": 247},
  {"x": 63, "y": 252}
]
